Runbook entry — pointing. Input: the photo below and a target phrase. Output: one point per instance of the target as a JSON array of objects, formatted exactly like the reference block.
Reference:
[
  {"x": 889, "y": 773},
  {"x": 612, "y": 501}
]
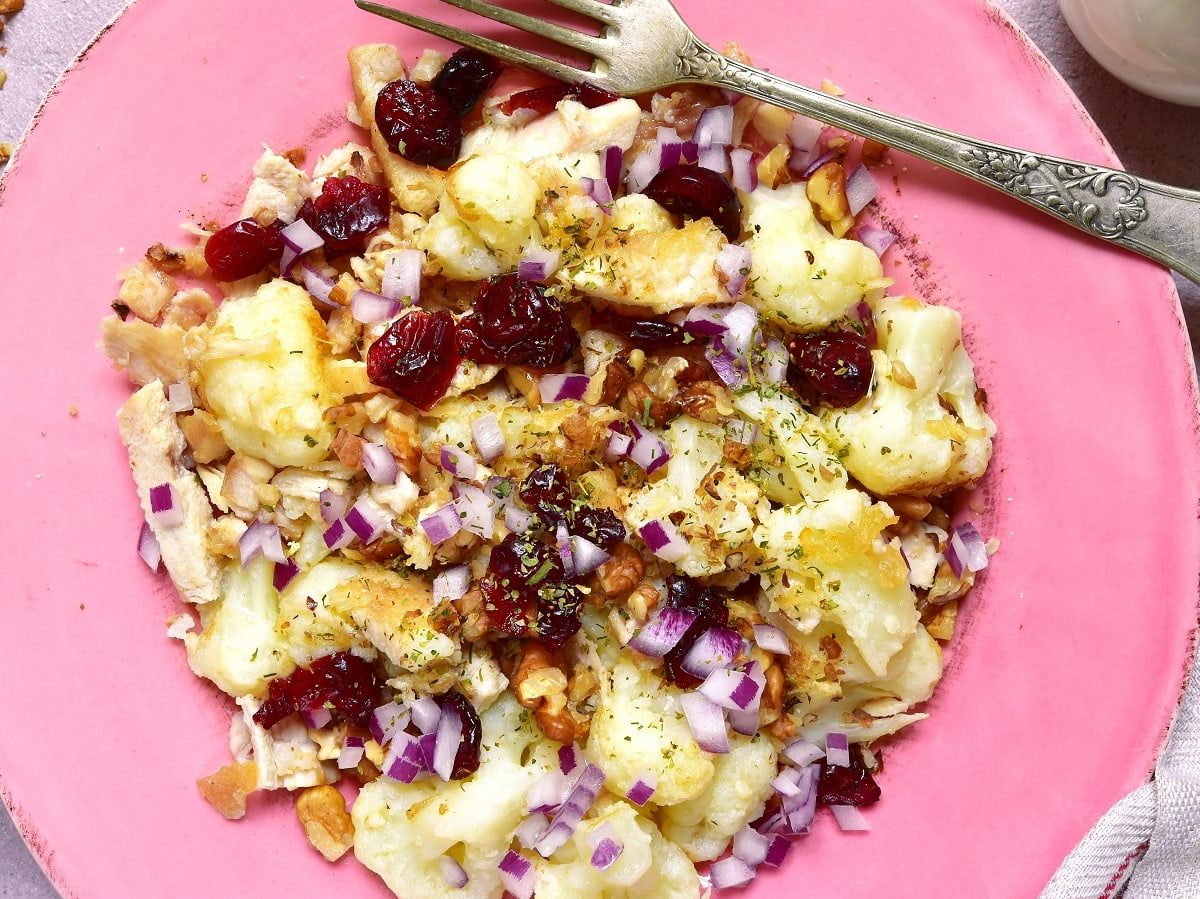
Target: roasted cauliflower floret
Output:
[
  {"x": 262, "y": 367},
  {"x": 802, "y": 276},
  {"x": 402, "y": 830},
  {"x": 703, "y": 826},
  {"x": 241, "y": 648},
  {"x": 829, "y": 561},
  {"x": 921, "y": 430},
  {"x": 639, "y": 727}
]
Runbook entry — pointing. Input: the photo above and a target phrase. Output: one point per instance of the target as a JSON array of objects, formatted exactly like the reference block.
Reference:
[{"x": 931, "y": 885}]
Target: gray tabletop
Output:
[{"x": 1153, "y": 138}]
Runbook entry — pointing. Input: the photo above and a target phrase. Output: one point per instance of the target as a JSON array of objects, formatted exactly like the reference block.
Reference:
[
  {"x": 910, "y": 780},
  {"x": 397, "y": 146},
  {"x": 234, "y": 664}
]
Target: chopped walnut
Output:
[
  {"x": 640, "y": 403},
  {"x": 941, "y": 620},
  {"x": 641, "y": 601},
  {"x": 706, "y": 401},
  {"x": 344, "y": 332},
  {"x": 541, "y": 686},
  {"x": 617, "y": 377},
  {"x": 203, "y": 436},
  {"x": 226, "y": 791},
  {"x": 947, "y": 585},
  {"x": 242, "y": 475},
  {"x": 400, "y": 435},
  {"x": 873, "y": 152},
  {"x": 827, "y": 192},
  {"x": 911, "y": 507},
  {"x": 349, "y": 449},
  {"x": 327, "y": 824},
  {"x": 737, "y": 454},
  {"x": 583, "y": 684},
  {"x": 902, "y": 376},
  {"x": 585, "y": 437},
  {"x": 523, "y": 382},
  {"x": 475, "y": 622},
  {"x": 145, "y": 290},
  {"x": 771, "y": 706},
  {"x": 620, "y": 575}
]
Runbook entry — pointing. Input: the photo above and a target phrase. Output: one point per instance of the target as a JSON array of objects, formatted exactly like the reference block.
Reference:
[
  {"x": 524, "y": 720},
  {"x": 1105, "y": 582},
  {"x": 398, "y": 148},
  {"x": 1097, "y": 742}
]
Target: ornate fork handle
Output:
[{"x": 1153, "y": 219}]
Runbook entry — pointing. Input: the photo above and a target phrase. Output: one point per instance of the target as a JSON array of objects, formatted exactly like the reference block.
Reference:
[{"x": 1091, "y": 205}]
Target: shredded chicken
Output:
[{"x": 145, "y": 353}]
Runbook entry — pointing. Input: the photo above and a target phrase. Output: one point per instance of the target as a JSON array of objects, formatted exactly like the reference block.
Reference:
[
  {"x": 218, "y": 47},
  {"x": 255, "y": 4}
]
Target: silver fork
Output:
[{"x": 644, "y": 45}]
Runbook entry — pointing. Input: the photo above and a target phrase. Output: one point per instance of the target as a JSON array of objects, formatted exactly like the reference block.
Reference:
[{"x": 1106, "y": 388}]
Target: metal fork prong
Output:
[
  {"x": 568, "y": 37},
  {"x": 515, "y": 55},
  {"x": 593, "y": 9}
]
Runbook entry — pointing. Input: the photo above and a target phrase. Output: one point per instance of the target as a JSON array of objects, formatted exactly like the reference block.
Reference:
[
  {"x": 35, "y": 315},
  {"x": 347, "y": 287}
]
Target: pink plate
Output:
[{"x": 1065, "y": 675}]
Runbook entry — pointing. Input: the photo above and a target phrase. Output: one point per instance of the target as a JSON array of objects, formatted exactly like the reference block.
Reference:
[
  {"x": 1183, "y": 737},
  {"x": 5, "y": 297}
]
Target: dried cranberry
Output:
[
  {"x": 833, "y": 367},
  {"x": 711, "y": 611},
  {"x": 547, "y": 492},
  {"x": 242, "y": 249},
  {"x": 543, "y": 99},
  {"x": 418, "y": 123},
  {"x": 516, "y": 322},
  {"x": 346, "y": 214},
  {"x": 600, "y": 526},
  {"x": 466, "y": 76},
  {"x": 416, "y": 357},
  {"x": 694, "y": 193},
  {"x": 847, "y": 785},
  {"x": 343, "y": 683},
  {"x": 643, "y": 333},
  {"x": 526, "y": 592},
  {"x": 466, "y": 762}
]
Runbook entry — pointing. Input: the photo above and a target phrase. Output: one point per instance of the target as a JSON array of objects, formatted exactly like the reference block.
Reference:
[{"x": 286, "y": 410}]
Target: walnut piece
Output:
[
  {"x": 327, "y": 824},
  {"x": 203, "y": 436},
  {"x": 227, "y": 789},
  {"x": 827, "y": 192},
  {"x": 541, "y": 686},
  {"x": 620, "y": 575}
]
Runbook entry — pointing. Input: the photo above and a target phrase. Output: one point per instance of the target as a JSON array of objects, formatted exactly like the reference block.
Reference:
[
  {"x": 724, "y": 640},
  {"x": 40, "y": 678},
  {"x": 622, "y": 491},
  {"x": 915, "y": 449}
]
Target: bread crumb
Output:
[
  {"x": 73, "y": 411},
  {"x": 6, "y": 152},
  {"x": 832, "y": 89}
]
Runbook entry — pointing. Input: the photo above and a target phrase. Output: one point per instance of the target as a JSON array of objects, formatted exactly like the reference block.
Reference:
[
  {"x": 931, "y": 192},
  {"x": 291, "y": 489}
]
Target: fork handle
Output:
[{"x": 1156, "y": 220}]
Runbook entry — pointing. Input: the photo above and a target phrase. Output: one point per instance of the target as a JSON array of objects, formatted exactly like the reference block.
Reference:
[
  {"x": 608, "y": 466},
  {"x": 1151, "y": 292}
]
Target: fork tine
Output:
[
  {"x": 515, "y": 55},
  {"x": 567, "y": 36},
  {"x": 593, "y": 9}
]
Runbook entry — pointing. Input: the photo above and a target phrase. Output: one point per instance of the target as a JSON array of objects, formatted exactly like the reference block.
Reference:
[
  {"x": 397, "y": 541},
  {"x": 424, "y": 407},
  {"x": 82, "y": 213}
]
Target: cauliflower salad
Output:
[{"x": 554, "y": 486}]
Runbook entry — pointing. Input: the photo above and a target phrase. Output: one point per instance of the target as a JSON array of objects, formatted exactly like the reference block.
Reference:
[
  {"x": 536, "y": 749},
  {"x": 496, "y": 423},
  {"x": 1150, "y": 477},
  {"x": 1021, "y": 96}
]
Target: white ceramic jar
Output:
[{"x": 1151, "y": 45}]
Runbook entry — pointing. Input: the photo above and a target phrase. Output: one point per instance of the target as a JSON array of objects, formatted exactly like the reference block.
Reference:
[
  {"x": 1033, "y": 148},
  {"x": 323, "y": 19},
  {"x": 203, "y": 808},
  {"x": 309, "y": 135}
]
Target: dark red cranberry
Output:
[
  {"x": 694, "y": 193},
  {"x": 419, "y": 123},
  {"x": 547, "y": 493},
  {"x": 345, "y": 684},
  {"x": 346, "y": 214},
  {"x": 466, "y": 76},
  {"x": 643, "y": 333},
  {"x": 242, "y": 249},
  {"x": 516, "y": 322},
  {"x": 526, "y": 592},
  {"x": 416, "y": 357},
  {"x": 711, "y": 611},
  {"x": 466, "y": 762},
  {"x": 833, "y": 367},
  {"x": 847, "y": 785},
  {"x": 543, "y": 99},
  {"x": 600, "y": 526}
]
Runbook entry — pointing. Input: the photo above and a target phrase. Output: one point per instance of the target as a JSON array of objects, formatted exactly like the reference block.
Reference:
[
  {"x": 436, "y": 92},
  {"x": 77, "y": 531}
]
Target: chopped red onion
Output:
[
  {"x": 804, "y": 133},
  {"x": 750, "y": 846},
  {"x": 743, "y": 432},
  {"x": 569, "y": 758},
  {"x": 802, "y": 752},
  {"x": 599, "y": 190},
  {"x": 866, "y": 320},
  {"x": 837, "y": 749},
  {"x": 518, "y": 520},
  {"x": 476, "y": 510},
  {"x": 581, "y": 798},
  {"x": 715, "y": 126},
  {"x": 556, "y": 388},
  {"x": 643, "y": 788},
  {"x": 707, "y": 320},
  {"x": 179, "y": 397},
  {"x": 791, "y": 782},
  {"x": 298, "y": 238},
  {"x": 442, "y": 524},
  {"x": 562, "y": 542},
  {"x": 458, "y": 462},
  {"x": 774, "y": 362},
  {"x": 517, "y": 875},
  {"x": 647, "y": 451},
  {"x": 642, "y": 171},
  {"x": 725, "y": 364},
  {"x": 875, "y": 239},
  {"x": 449, "y": 736},
  {"x": 333, "y": 506},
  {"x": 538, "y": 264},
  {"x": 966, "y": 550},
  {"x": 730, "y": 873},
  {"x": 587, "y": 555},
  {"x": 379, "y": 463},
  {"x": 386, "y": 721},
  {"x": 861, "y": 189},
  {"x": 745, "y": 723},
  {"x": 772, "y": 639},
  {"x": 734, "y": 263},
  {"x": 366, "y": 522},
  {"x": 689, "y": 150},
  {"x": 489, "y": 439},
  {"x": 715, "y": 159},
  {"x": 426, "y": 714},
  {"x": 849, "y": 818},
  {"x": 148, "y": 548},
  {"x": 612, "y": 158},
  {"x": 606, "y": 848},
  {"x": 402, "y": 276},
  {"x": 318, "y": 284},
  {"x": 618, "y": 446},
  {"x": 664, "y": 541},
  {"x": 716, "y": 648},
  {"x": 741, "y": 322},
  {"x": 731, "y": 689},
  {"x": 452, "y": 584},
  {"x": 405, "y": 761},
  {"x": 338, "y": 536},
  {"x": 316, "y": 718},
  {"x": 261, "y": 539},
  {"x": 352, "y": 753},
  {"x": 284, "y": 573},
  {"x": 777, "y": 851},
  {"x": 428, "y": 744},
  {"x": 547, "y": 793},
  {"x": 453, "y": 873},
  {"x": 706, "y": 721},
  {"x": 166, "y": 506},
  {"x": 812, "y": 163},
  {"x": 372, "y": 309},
  {"x": 530, "y": 829},
  {"x": 670, "y": 153},
  {"x": 662, "y": 632},
  {"x": 745, "y": 173}
]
